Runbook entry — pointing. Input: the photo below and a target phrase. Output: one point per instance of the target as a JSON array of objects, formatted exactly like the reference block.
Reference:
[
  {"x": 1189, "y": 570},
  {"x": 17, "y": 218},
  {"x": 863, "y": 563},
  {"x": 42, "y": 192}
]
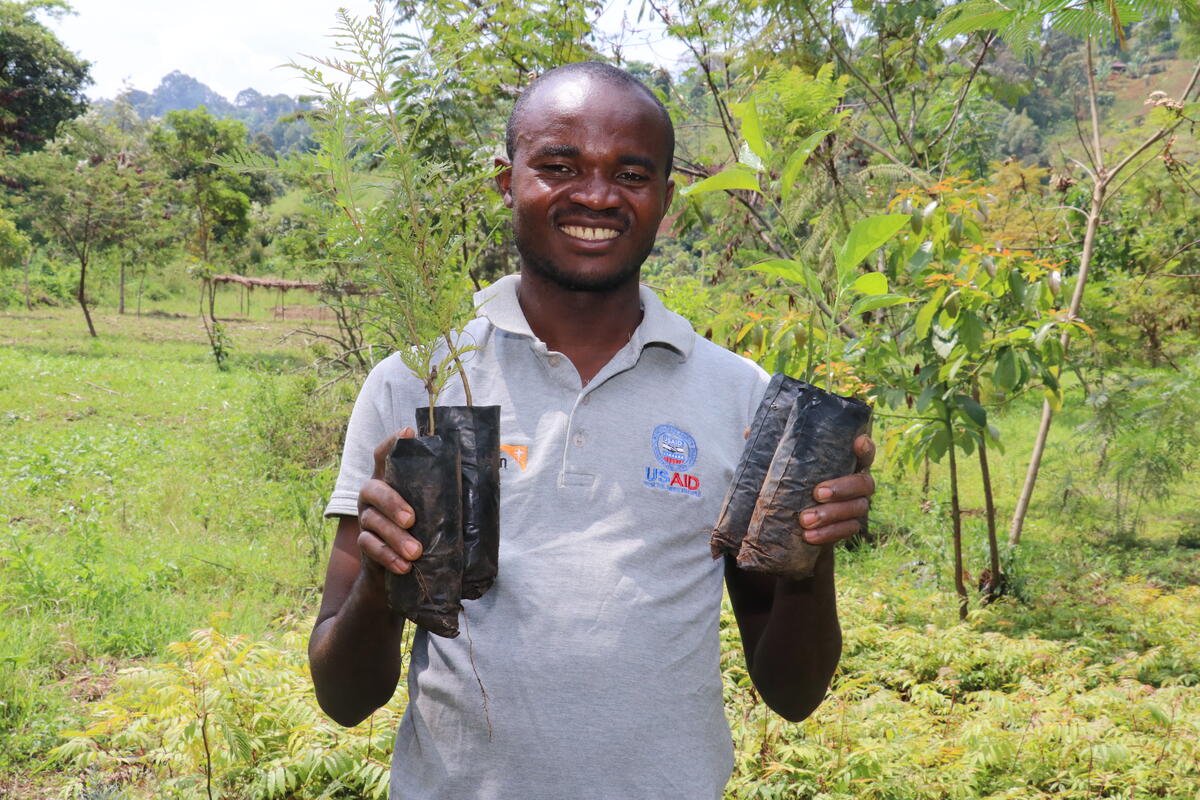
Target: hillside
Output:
[{"x": 274, "y": 117}]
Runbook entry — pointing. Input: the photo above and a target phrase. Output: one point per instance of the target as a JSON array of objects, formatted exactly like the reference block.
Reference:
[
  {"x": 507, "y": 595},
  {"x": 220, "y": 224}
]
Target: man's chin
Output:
[{"x": 575, "y": 282}]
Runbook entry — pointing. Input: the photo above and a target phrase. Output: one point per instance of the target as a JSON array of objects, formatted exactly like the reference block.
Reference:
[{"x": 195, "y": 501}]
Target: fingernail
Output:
[
  {"x": 809, "y": 518},
  {"x": 824, "y": 494},
  {"x": 412, "y": 550}
]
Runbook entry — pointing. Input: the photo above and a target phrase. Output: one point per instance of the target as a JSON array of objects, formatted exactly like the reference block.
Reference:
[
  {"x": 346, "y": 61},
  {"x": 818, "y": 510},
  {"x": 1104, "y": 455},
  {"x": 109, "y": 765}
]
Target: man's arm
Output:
[
  {"x": 354, "y": 649},
  {"x": 790, "y": 630}
]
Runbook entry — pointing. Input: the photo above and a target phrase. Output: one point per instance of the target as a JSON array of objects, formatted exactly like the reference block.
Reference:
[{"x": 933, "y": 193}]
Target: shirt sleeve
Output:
[{"x": 377, "y": 414}]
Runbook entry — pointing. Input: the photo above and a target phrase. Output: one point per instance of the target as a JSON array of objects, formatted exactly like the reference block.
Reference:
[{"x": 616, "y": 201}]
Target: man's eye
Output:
[
  {"x": 635, "y": 177},
  {"x": 557, "y": 168}
]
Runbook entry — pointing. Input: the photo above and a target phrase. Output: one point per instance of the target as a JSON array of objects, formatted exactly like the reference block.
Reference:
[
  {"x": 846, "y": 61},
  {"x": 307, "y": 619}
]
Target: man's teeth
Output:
[{"x": 591, "y": 234}]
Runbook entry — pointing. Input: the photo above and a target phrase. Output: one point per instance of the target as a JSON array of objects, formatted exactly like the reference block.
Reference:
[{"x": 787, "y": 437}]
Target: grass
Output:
[
  {"x": 138, "y": 503},
  {"x": 147, "y": 495}
]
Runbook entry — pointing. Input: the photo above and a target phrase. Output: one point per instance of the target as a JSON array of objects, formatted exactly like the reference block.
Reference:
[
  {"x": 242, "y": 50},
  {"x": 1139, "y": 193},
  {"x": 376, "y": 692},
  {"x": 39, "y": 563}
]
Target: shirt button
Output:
[
  {"x": 587, "y": 398},
  {"x": 553, "y": 361},
  {"x": 579, "y": 439}
]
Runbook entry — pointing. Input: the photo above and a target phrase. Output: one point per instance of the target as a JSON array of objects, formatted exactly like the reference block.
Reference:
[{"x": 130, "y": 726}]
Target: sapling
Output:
[
  {"x": 396, "y": 213},
  {"x": 801, "y": 434}
]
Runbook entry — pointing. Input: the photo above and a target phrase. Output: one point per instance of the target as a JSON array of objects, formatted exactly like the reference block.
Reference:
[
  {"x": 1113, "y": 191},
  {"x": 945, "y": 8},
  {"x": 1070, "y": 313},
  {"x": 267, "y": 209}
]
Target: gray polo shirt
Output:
[{"x": 598, "y": 644}]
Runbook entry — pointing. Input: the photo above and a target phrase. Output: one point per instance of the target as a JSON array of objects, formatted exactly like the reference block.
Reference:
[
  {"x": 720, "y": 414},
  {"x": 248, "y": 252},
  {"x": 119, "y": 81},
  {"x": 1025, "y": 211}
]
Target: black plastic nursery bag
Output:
[
  {"x": 817, "y": 444},
  {"x": 765, "y": 432},
  {"x": 425, "y": 471},
  {"x": 478, "y": 431}
]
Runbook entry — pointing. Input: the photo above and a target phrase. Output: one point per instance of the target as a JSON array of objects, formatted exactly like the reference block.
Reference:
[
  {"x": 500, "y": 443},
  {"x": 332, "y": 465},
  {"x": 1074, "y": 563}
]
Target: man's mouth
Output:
[{"x": 589, "y": 234}]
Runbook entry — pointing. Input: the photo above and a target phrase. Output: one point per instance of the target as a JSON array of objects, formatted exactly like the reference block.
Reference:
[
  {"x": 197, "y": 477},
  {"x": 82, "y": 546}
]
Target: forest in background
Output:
[{"x": 978, "y": 216}]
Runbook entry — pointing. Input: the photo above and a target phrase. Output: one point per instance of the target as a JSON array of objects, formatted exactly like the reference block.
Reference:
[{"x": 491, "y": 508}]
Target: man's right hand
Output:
[{"x": 385, "y": 518}]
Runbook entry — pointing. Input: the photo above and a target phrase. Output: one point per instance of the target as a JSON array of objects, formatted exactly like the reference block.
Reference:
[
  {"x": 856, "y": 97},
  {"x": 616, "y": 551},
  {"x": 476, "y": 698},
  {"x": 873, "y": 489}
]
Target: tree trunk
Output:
[
  {"x": 991, "y": 588},
  {"x": 956, "y": 518},
  {"x": 925, "y": 481},
  {"x": 1039, "y": 445},
  {"x": 83, "y": 296},
  {"x": 121, "y": 292},
  {"x": 28, "y": 302}
]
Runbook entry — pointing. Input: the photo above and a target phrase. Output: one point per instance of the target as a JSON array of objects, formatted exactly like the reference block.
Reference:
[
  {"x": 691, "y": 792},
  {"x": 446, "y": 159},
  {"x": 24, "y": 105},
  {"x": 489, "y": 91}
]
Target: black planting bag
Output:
[
  {"x": 478, "y": 431},
  {"x": 765, "y": 432},
  {"x": 817, "y": 444},
  {"x": 425, "y": 471}
]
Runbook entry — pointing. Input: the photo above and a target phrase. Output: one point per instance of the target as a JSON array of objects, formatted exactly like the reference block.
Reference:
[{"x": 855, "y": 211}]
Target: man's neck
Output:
[{"x": 587, "y": 327}]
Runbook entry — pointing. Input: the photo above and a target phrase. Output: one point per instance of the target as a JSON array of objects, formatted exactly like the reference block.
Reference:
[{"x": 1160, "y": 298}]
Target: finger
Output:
[
  {"x": 832, "y": 533},
  {"x": 395, "y": 536},
  {"x": 377, "y": 550},
  {"x": 864, "y": 448},
  {"x": 387, "y": 501},
  {"x": 385, "y": 447},
  {"x": 847, "y": 487},
  {"x": 830, "y": 513}
]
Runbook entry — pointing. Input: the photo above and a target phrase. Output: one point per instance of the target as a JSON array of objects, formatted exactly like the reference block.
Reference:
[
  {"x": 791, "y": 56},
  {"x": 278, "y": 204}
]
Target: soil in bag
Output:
[
  {"x": 425, "y": 472},
  {"x": 817, "y": 444},
  {"x": 478, "y": 431},
  {"x": 765, "y": 432}
]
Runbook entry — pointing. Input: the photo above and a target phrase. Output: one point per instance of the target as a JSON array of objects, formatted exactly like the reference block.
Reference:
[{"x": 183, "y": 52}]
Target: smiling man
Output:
[{"x": 598, "y": 644}]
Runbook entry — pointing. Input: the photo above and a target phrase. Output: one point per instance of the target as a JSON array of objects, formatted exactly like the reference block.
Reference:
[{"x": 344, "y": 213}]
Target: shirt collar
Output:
[{"x": 499, "y": 305}]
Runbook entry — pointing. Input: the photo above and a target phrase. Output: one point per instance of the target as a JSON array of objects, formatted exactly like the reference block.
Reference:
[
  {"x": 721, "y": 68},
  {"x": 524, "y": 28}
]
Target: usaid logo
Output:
[{"x": 675, "y": 450}]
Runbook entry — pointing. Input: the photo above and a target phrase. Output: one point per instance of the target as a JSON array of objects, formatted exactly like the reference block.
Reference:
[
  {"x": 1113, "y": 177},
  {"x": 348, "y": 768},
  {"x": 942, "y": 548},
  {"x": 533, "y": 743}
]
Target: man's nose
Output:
[{"x": 594, "y": 191}]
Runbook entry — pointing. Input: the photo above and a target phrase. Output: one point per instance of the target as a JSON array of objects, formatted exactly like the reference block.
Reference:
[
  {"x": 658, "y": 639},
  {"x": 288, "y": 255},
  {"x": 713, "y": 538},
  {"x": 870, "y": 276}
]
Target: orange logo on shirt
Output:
[{"x": 519, "y": 452}]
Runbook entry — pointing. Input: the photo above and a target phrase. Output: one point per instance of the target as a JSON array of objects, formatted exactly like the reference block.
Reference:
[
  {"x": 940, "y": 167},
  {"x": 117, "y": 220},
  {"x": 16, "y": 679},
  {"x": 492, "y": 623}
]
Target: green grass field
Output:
[{"x": 147, "y": 495}]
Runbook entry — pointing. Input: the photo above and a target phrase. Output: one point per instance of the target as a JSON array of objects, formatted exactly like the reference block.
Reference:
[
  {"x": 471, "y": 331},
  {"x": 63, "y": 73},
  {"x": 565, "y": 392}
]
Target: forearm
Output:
[
  {"x": 794, "y": 641},
  {"x": 355, "y": 654}
]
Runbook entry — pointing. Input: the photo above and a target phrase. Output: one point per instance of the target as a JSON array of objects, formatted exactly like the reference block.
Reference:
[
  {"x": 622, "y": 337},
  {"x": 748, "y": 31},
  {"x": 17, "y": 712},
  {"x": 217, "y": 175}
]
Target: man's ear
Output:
[
  {"x": 670, "y": 196},
  {"x": 504, "y": 180}
]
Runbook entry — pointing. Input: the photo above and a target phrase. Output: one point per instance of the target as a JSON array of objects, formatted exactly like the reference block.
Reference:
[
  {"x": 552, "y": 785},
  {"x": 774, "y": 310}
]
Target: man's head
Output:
[
  {"x": 588, "y": 176},
  {"x": 594, "y": 70}
]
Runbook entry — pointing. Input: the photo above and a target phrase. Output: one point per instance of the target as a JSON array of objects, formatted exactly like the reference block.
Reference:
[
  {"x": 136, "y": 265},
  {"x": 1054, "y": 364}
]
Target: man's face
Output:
[{"x": 588, "y": 184}]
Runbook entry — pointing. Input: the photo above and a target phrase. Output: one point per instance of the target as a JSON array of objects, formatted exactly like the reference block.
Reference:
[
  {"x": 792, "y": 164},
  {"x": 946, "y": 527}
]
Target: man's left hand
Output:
[{"x": 842, "y": 503}]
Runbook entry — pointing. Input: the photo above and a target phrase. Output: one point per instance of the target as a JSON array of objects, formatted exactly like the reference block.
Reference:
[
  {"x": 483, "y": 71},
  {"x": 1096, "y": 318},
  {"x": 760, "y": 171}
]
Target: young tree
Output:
[
  {"x": 84, "y": 194},
  {"x": 1107, "y": 169},
  {"x": 216, "y": 199}
]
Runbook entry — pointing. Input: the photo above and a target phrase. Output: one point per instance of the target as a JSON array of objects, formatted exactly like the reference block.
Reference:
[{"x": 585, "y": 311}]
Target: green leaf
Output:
[
  {"x": 1055, "y": 399},
  {"x": 867, "y": 236},
  {"x": 1005, "y": 374},
  {"x": 926, "y": 397},
  {"x": 975, "y": 412},
  {"x": 938, "y": 444},
  {"x": 747, "y": 112},
  {"x": 1016, "y": 285},
  {"x": 927, "y": 312},
  {"x": 871, "y": 283},
  {"x": 879, "y": 301},
  {"x": 970, "y": 331},
  {"x": 736, "y": 177},
  {"x": 796, "y": 160},
  {"x": 790, "y": 270}
]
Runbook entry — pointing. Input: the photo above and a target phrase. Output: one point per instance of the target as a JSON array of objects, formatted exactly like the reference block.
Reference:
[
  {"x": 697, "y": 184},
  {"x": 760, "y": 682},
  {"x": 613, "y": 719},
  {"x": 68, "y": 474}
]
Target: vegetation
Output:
[
  {"x": 979, "y": 217},
  {"x": 41, "y": 82}
]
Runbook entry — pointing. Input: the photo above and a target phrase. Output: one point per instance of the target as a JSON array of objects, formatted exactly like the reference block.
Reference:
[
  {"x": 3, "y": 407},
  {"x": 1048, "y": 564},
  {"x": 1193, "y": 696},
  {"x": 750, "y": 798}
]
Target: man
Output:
[{"x": 598, "y": 644}]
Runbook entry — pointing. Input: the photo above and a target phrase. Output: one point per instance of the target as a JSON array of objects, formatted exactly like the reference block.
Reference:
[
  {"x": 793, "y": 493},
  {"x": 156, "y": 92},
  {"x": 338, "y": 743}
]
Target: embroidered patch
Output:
[
  {"x": 676, "y": 450},
  {"x": 519, "y": 453}
]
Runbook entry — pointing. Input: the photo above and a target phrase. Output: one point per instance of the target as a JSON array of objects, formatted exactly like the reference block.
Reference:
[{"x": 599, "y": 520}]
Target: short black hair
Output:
[{"x": 597, "y": 70}]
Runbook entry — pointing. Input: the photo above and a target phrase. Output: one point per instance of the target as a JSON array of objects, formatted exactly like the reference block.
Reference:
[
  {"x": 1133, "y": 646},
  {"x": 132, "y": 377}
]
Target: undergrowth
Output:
[{"x": 164, "y": 545}]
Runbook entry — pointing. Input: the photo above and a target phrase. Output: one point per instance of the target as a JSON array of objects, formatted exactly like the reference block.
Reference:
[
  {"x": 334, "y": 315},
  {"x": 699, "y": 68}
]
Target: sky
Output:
[{"x": 232, "y": 45}]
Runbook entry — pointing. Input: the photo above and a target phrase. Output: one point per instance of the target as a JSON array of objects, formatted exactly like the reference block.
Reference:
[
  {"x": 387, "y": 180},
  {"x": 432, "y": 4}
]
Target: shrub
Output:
[{"x": 230, "y": 717}]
